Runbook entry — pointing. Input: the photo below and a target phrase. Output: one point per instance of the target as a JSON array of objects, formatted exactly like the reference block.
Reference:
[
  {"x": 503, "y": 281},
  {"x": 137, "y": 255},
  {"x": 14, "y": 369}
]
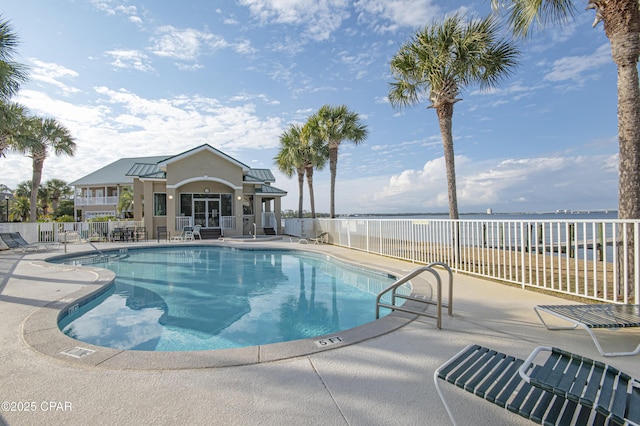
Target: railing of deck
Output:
[
  {"x": 589, "y": 259},
  {"x": 96, "y": 201},
  {"x": 226, "y": 222},
  {"x": 59, "y": 231}
]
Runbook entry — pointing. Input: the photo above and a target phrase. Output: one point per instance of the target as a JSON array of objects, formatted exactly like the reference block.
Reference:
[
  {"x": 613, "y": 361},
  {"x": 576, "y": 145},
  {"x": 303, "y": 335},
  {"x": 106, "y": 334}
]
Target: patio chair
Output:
[
  {"x": 566, "y": 389},
  {"x": 196, "y": 232},
  {"x": 185, "y": 235},
  {"x": 141, "y": 233},
  {"x": 161, "y": 232},
  {"x": 596, "y": 316},
  {"x": 319, "y": 239},
  {"x": 118, "y": 234}
]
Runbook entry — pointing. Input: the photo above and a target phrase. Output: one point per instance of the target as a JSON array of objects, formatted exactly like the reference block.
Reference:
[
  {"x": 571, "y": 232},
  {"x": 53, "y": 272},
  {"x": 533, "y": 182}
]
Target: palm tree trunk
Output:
[
  {"x": 333, "y": 167},
  {"x": 445, "y": 120},
  {"x": 312, "y": 199},
  {"x": 300, "y": 190},
  {"x": 35, "y": 184},
  {"x": 622, "y": 25}
]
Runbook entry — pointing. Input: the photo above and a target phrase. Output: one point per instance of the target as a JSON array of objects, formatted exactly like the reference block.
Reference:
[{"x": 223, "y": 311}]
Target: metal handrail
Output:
[{"x": 393, "y": 287}]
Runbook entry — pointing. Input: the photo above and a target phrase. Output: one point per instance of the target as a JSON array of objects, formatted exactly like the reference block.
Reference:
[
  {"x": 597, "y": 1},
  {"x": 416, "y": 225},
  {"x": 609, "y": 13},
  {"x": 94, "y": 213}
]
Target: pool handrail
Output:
[{"x": 393, "y": 287}]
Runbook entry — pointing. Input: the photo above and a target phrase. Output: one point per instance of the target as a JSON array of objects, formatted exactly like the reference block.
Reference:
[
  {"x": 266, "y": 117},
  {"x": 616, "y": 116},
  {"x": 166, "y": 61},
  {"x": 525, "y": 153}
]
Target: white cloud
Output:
[
  {"x": 52, "y": 73},
  {"x": 126, "y": 59},
  {"x": 507, "y": 185},
  {"x": 184, "y": 44},
  {"x": 320, "y": 17},
  {"x": 121, "y": 123},
  {"x": 402, "y": 13},
  {"x": 574, "y": 67}
]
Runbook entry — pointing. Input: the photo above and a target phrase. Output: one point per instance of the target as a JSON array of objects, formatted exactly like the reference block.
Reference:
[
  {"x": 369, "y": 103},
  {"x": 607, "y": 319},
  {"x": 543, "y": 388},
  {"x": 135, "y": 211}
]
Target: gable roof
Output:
[
  {"x": 116, "y": 172},
  {"x": 206, "y": 147}
]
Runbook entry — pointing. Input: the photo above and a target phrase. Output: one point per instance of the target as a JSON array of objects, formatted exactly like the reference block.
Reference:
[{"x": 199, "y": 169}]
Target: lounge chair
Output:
[
  {"x": 319, "y": 239},
  {"x": 566, "y": 389},
  {"x": 600, "y": 315},
  {"x": 185, "y": 235},
  {"x": 15, "y": 242}
]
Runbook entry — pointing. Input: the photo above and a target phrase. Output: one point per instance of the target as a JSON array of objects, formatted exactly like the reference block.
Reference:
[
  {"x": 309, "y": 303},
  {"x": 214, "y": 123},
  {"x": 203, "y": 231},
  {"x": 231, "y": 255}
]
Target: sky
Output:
[{"x": 141, "y": 78}]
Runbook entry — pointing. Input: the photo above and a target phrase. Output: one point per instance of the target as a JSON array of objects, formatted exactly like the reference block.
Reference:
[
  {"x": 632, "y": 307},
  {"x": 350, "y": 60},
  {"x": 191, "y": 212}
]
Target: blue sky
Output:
[{"x": 137, "y": 78}]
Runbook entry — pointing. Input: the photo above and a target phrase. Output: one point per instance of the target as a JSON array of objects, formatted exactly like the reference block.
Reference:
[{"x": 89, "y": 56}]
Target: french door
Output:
[{"x": 206, "y": 212}]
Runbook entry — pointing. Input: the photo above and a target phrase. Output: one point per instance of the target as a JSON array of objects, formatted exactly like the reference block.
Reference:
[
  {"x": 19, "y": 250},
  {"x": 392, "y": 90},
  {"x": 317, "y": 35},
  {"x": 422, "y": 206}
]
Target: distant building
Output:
[
  {"x": 489, "y": 211},
  {"x": 202, "y": 186}
]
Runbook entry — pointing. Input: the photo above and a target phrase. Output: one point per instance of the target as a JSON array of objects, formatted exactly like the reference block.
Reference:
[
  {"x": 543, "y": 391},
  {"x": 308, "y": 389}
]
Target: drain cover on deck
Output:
[{"x": 78, "y": 352}]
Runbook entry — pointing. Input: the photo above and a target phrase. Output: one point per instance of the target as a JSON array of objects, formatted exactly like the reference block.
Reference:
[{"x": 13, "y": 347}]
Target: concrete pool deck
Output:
[{"x": 377, "y": 381}]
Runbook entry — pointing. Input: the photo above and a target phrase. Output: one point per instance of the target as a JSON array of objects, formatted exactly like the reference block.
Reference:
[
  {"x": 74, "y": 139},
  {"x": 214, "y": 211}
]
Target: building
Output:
[{"x": 202, "y": 186}]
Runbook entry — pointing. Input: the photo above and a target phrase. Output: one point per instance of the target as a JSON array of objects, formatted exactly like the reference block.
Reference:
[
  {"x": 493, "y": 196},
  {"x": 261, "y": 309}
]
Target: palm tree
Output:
[
  {"x": 289, "y": 159},
  {"x": 333, "y": 125},
  {"x": 12, "y": 74},
  {"x": 125, "y": 202},
  {"x": 43, "y": 200},
  {"x": 57, "y": 189},
  {"x": 37, "y": 135},
  {"x": 11, "y": 116},
  {"x": 314, "y": 155},
  {"x": 23, "y": 189},
  {"x": 19, "y": 208},
  {"x": 438, "y": 62}
]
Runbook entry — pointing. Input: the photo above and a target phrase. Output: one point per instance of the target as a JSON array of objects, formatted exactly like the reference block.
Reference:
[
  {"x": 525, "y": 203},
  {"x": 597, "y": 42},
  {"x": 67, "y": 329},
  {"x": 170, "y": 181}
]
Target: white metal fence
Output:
[
  {"x": 58, "y": 231},
  {"x": 589, "y": 259}
]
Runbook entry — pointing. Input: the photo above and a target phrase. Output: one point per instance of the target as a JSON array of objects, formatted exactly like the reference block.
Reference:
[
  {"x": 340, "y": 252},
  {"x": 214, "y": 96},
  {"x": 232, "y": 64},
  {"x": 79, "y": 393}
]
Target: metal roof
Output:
[
  {"x": 268, "y": 189},
  {"x": 260, "y": 175},
  {"x": 146, "y": 170},
  {"x": 116, "y": 172}
]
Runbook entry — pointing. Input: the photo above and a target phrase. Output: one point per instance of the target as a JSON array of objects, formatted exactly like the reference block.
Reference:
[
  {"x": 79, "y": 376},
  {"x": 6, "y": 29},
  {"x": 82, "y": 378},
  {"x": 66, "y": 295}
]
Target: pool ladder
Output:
[{"x": 438, "y": 303}]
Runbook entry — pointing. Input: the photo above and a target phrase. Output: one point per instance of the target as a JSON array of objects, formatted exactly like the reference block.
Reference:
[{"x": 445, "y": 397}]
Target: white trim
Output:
[{"x": 202, "y": 178}]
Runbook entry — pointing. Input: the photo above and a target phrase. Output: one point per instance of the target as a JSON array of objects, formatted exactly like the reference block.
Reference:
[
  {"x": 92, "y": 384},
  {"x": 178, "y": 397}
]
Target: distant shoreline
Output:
[{"x": 557, "y": 212}]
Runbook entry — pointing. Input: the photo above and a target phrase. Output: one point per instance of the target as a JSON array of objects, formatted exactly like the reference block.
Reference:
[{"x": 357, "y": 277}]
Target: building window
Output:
[
  {"x": 185, "y": 205},
  {"x": 159, "y": 204}
]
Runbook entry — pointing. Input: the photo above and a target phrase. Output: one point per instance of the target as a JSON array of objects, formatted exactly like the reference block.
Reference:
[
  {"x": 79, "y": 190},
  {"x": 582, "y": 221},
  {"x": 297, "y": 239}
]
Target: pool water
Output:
[{"x": 202, "y": 298}]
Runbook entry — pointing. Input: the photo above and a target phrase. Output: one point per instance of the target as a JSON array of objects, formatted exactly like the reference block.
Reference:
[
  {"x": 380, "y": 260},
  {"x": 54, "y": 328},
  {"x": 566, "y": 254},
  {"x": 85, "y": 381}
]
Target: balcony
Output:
[{"x": 95, "y": 201}]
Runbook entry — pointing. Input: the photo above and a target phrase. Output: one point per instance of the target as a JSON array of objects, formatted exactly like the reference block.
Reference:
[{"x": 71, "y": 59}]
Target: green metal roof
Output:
[
  {"x": 147, "y": 171},
  {"x": 260, "y": 175},
  {"x": 268, "y": 189},
  {"x": 116, "y": 172}
]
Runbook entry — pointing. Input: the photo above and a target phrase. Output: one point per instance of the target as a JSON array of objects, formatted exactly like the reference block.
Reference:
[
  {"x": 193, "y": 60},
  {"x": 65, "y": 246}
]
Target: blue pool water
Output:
[{"x": 202, "y": 298}]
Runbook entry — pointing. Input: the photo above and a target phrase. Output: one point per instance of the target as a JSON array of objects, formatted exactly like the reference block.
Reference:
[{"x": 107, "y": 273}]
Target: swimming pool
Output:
[{"x": 205, "y": 297}]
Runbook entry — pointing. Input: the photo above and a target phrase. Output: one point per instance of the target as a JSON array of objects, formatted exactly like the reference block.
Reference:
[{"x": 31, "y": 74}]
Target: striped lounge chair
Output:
[
  {"x": 562, "y": 389},
  {"x": 595, "y": 316}
]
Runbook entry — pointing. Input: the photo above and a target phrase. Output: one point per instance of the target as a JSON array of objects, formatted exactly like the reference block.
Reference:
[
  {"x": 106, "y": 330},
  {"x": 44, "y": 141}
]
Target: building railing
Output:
[
  {"x": 226, "y": 222},
  {"x": 588, "y": 259},
  {"x": 95, "y": 201}
]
